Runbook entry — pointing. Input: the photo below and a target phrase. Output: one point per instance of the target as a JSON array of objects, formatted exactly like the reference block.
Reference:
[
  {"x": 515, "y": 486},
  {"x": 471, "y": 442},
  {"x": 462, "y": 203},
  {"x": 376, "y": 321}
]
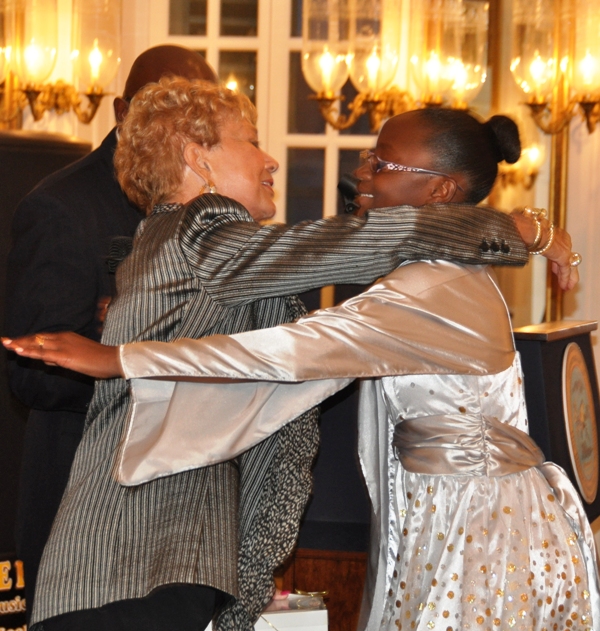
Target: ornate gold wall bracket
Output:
[
  {"x": 511, "y": 177},
  {"x": 591, "y": 113},
  {"x": 12, "y": 104},
  {"x": 542, "y": 114},
  {"x": 548, "y": 121},
  {"x": 59, "y": 97},
  {"x": 378, "y": 108}
]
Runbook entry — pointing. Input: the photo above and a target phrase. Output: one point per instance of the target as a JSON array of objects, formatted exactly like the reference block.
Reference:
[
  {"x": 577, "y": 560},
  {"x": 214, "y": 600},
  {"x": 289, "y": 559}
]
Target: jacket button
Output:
[
  {"x": 495, "y": 246},
  {"x": 485, "y": 246},
  {"x": 505, "y": 247}
]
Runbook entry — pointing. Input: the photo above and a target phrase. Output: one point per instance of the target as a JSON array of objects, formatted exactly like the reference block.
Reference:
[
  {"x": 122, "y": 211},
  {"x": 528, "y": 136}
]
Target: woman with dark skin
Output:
[{"x": 475, "y": 530}]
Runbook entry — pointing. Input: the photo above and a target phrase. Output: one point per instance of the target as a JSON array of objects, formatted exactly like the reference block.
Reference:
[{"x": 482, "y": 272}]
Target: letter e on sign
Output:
[{"x": 5, "y": 579}]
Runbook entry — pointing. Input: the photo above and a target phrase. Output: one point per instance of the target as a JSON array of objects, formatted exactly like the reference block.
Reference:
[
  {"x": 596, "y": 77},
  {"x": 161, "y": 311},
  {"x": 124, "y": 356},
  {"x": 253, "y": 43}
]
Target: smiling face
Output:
[
  {"x": 403, "y": 140},
  {"x": 241, "y": 170}
]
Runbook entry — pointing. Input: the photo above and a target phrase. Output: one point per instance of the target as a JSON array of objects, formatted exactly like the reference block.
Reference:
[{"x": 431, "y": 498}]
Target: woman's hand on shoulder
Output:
[
  {"x": 69, "y": 350},
  {"x": 555, "y": 244}
]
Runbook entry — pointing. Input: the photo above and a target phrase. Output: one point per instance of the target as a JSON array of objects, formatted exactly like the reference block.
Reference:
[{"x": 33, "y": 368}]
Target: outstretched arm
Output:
[
  {"x": 385, "y": 326},
  {"x": 71, "y": 351}
]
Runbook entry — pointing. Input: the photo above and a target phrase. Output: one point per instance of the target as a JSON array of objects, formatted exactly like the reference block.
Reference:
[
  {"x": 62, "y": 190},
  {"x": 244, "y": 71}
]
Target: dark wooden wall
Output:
[{"x": 340, "y": 574}]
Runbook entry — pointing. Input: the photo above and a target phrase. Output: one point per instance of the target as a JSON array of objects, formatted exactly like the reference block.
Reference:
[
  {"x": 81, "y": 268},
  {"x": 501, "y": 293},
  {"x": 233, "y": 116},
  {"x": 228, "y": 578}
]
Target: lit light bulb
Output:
[
  {"x": 433, "y": 68},
  {"x": 95, "y": 59},
  {"x": 588, "y": 69},
  {"x": 460, "y": 76},
  {"x": 232, "y": 83},
  {"x": 373, "y": 65},
  {"x": 34, "y": 59},
  {"x": 4, "y": 61},
  {"x": 533, "y": 156},
  {"x": 326, "y": 64},
  {"x": 537, "y": 69}
]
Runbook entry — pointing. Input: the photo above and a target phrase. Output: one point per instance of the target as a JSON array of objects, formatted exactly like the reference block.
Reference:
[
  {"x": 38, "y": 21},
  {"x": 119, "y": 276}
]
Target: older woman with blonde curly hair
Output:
[
  {"x": 198, "y": 112},
  {"x": 180, "y": 550}
]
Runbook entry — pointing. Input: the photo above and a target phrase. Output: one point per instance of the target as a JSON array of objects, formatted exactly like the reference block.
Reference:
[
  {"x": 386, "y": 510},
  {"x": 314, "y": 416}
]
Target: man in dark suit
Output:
[{"x": 60, "y": 273}]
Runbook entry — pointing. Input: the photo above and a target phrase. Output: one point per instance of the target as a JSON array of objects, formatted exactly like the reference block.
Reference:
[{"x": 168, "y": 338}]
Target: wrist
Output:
[
  {"x": 533, "y": 233},
  {"x": 543, "y": 248}
]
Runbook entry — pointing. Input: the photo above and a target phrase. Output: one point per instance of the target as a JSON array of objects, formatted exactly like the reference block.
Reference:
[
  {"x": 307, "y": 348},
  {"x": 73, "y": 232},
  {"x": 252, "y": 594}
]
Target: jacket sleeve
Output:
[
  {"x": 240, "y": 261},
  {"x": 51, "y": 286}
]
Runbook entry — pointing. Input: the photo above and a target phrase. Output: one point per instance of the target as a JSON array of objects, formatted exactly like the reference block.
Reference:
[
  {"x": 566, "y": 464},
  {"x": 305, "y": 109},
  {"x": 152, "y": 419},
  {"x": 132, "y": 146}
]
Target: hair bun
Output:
[{"x": 505, "y": 135}]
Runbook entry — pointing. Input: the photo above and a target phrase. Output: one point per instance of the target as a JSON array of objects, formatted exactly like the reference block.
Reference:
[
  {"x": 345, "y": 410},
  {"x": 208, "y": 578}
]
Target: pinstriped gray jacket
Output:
[{"x": 198, "y": 270}]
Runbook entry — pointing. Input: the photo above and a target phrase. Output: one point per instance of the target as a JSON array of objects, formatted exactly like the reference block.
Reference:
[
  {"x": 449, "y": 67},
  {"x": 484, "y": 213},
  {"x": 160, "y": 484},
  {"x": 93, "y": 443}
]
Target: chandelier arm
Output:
[
  {"x": 529, "y": 180},
  {"x": 15, "y": 106},
  {"x": 390, "y": 103},
  {"x": 541, "y": 112},
  {"x": 334, "y": 117},
  {"x": 38, "y": 100},
  {"x": 590, "y": 112},
  {"x": 63, "y": 96},
  {"x": 86, "y": 115}
]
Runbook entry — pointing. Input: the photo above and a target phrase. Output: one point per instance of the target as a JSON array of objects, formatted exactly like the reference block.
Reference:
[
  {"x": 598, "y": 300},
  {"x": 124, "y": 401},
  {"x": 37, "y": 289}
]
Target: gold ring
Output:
[
  {"x": 40, "y": 339},
  {"x": 575, "y": 259}
]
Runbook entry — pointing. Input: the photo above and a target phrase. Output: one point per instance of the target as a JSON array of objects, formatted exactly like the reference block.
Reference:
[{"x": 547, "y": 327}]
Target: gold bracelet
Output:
[
  {"x": 549, "y": 242},
  {"x": 535, "y": 214}
]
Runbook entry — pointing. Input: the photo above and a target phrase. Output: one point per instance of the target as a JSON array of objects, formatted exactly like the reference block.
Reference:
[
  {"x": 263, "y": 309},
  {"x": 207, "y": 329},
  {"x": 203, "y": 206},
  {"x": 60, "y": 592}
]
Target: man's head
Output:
[{"x": 158, "y": 62}]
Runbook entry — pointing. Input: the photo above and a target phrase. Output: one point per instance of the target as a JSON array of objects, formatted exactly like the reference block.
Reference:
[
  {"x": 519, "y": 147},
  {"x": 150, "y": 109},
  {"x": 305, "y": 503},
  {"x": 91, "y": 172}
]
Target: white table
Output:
[{"x": 296, "y": 618}]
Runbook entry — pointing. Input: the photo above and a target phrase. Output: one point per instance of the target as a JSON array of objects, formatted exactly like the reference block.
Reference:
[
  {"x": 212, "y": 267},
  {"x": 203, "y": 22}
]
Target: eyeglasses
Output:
[{"x": 378, "y": 165}]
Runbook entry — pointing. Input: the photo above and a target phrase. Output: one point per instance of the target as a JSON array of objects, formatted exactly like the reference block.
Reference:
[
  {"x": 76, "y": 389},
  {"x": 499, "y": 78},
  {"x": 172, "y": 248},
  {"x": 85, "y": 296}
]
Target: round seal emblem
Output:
[{"x": 580, "y": 421}]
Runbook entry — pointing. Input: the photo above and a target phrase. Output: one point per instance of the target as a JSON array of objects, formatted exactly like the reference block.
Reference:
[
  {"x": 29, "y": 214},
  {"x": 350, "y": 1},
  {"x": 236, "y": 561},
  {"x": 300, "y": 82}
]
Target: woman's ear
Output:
[
  {"x": 445, "y": 191},
  {"x": 195, "y": 156}
]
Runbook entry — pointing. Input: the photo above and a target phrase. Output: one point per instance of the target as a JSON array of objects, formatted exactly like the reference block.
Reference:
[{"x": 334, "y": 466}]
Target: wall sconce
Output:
[
  {"x": 556, "y": 60},
  {"x": 525, "y": 170},
  {"x": 360, "y": 40},
  {"x": 28, "y": 52}
]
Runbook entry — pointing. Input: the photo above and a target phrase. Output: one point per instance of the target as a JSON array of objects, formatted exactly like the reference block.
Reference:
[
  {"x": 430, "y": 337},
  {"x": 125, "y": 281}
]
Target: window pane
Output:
[
  {"x": 349, "y": 161},
  {"x": 305, "y": 184},
  {"x": 305, "y": 196},
  {"x": 187, "y": 17},
  {"x": 239, "y": 17},
  {"x": 238, "y": 70},
  {"x": 303, "y": 115},
  {"x": 296, "y": 18}
]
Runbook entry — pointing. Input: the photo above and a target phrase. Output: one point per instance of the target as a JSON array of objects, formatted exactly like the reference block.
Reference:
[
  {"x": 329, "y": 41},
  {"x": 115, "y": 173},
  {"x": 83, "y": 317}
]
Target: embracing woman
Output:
[{"x": 471, "y": 529}]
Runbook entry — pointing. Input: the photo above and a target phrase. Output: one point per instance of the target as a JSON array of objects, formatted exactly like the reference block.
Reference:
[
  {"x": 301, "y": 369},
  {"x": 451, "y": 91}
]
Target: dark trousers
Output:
[
  {"x": 168, "y": 608},
  {"x": 51, "y": 439}
]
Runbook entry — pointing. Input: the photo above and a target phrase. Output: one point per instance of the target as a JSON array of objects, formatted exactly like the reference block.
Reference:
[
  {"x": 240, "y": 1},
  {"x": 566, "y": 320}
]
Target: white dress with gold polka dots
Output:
[{"x": 478, "y": 549}]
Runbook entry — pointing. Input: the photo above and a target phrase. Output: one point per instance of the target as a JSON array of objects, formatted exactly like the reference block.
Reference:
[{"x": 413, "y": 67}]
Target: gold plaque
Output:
[{"x": 580, "y": 421}]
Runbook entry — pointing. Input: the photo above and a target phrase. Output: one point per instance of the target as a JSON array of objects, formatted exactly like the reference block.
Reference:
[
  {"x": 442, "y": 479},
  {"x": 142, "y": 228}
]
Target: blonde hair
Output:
[{"x": 163, "y": 118}]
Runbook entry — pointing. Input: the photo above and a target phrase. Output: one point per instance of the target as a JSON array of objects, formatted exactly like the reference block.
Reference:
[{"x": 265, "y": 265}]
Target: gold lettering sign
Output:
[
  {"x": 20, "y": 575},
  {"x": 5, "y": 579}
]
